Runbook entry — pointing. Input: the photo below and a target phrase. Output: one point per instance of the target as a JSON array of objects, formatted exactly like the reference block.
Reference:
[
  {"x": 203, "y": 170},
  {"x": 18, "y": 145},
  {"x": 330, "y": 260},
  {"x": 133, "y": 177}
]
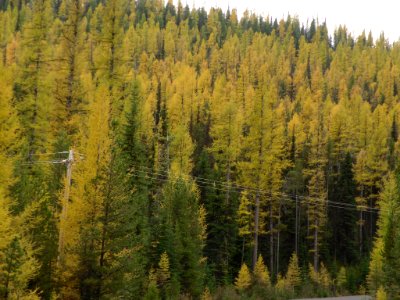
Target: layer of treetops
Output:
[{"x": 212, "y": 156}]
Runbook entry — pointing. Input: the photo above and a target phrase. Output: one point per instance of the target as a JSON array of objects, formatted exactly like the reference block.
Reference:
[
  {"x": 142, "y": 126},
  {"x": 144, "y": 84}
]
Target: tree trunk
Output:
[
  {"x": 316, "y": 246},
  {"x": 271, "y": 241},
  {"x": 256, "y": 220},
  {"x": 278, "y": 240},
  {"x": 360, "y": 231},
  {"x": 296, "y": 235}
]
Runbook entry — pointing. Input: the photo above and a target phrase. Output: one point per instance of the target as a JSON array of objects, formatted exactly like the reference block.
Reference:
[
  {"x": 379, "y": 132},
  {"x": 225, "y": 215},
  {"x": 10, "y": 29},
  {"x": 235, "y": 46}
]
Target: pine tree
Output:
[
  {"x": 341, "y": 278},
  {"x": 225, "y": 132},
  {"x": 35, "y": 106},
  {"x": 132, "y": 170},
  {"x": 81, "y": 272},
  {"x": 109, "y": 53},
  {"x": 34, "y": 84},
  {"x": 324, "y": 277},
  {"x": 364, "y": 183},
  {"x": 389, "y": 230},
  {"x": 163, "y": 269},
  {"x": 244, "y": 217},
  {"x": 206, "y": 295},
  {"x": 344, "y": 227},
  {"x": 18, "y": 265},
  {"x": 187, "y": 127},
  {"x": 261, "y": 273},
  {"x": 8, "y": 132},
  {"x": 71, "y": 64},
  {"x": 180, "y": 236},
  {"x": 280, "y": 283},
  {"x": 293, "y": 274},
  {"x": 381, "y": 294},
  {"x": 375, "y": 276},
  {"x": 316, "y": 206},
  {"x": 152, "y": 292},
  {"x": 243, "y": 280},
  {"x": 264, "y": 165}
]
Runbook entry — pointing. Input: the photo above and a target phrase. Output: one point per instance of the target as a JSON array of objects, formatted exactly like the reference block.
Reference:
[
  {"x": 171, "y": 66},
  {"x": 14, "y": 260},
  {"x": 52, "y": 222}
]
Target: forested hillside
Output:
[{"x": 164, "y": 152}]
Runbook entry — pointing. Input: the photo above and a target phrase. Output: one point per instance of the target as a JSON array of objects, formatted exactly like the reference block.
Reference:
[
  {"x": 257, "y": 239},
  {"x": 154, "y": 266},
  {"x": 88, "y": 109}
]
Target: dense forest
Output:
[{"x": 156, "y": 151}]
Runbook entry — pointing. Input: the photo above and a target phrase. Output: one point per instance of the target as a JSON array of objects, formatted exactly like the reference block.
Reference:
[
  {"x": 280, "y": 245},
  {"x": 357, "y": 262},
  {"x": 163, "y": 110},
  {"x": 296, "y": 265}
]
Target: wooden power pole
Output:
[{"x": 64, "y": 208}]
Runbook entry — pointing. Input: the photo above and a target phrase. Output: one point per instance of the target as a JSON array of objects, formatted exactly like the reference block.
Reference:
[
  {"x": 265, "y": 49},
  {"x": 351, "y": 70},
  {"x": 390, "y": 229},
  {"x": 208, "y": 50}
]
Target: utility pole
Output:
[{"x": 64, "y": 209}]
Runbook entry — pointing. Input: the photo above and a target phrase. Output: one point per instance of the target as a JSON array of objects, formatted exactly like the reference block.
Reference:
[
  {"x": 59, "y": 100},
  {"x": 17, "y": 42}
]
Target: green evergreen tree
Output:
[
  {"x": 180, "y": 236},
  {"x": 343, "y": 221},
  {"x": 133, "y": 167}
]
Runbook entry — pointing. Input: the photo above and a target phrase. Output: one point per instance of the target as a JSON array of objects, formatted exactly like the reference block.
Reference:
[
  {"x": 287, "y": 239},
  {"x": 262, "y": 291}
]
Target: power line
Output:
[
  {"x": 47, "y": 154},
  {"x": 218, "y": 184},
  {"x": 53, "y": 161},
  {"x": 259, "y": 190},
  {"x": 226, "y": 187},
  {"x": 285, "y": 197}
]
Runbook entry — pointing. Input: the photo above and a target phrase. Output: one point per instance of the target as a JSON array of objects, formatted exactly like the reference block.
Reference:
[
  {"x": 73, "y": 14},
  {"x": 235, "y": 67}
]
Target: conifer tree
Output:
[
  {"x": 8, "y": 132},
  {"x": 34, "y": 83},
  {"x": 109, "y": 53},
  {"x": 163, "y": 269},
  {"x": 264, "y": 166},
  {"x": 261, "y": 273},
  {"x": 132, "y": 169},
  {"x": 324, "y": 277},
  {"x": 375, "y": 274},
  {"x": 206, "y": 294},
  {"x": 152, "y": 290},
  {"x": 317, "y": 182},
  {"x": 187, "y": 127},
  {"x": 293, "y": 274},
  {"x": 18, "y": 265},
  {"x": 91, "y": 256},
  {"x": 341, "y": 279},
  {"x": 381, "y": 294},
  {"x": 280, "y": 283},
  {"x": 226, "y": 135},
  {"x": 243, "y": 279},
  {"x": 389, "y": 231},
  {"x": 245, "y": 220},
  {"x": 180, "y": 236},
  {"x": 71, "y": 63},
  {"x": 35, "y": 106},
  {"x": 78, "y": 225},
  {"x": 344, "y": 228}
]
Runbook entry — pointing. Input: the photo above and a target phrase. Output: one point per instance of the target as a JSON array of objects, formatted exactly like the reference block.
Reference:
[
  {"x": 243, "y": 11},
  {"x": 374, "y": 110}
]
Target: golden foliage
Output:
[
  {"x": 243, "y": 280},
  {"x": 261, "y": 273}
]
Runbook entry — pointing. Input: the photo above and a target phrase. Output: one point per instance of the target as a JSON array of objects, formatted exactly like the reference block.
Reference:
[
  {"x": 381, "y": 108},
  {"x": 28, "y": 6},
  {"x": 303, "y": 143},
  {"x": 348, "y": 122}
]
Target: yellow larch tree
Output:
[
  {"x": 381, "y": 294},
  {"x": 245, "y": 216},
  {"x": 226, "y": 130},
  {"x": 243, "y": 279},
  {"x": 163, "y": 271},
  {"x": 293, "y": 274},
  {"x": 316, "y": 203},
  {"x": 70, "y": 64},
  {"x": 180, "y": 97},
  {"x": 261, "y": 274},
  {"x": 341, "y": 278},
  {"x": 264, "y": 148},
  {"x": 35, "y": 104},
  {"x": 17, "y": 263},
  {"x": 88, "y": 198}
]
